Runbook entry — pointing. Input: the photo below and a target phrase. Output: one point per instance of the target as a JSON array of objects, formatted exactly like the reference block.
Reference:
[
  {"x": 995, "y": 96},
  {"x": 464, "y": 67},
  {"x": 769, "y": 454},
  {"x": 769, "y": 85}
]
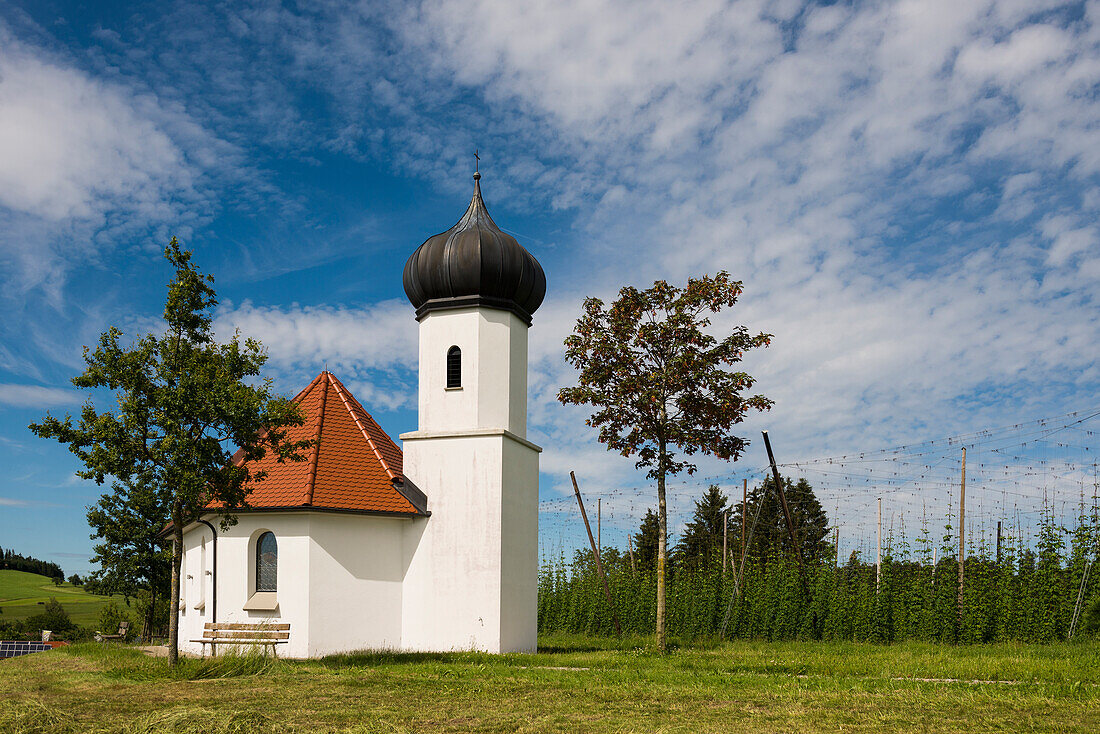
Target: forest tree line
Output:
[{"x": 12, "y": 561}]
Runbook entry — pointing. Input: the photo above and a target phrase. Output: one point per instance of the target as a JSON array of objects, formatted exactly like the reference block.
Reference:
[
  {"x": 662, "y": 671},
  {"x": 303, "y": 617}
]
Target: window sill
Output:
[
  {"x": 201, "y": 606},
  {"x": 452, "y": 389},
  {"x": 262, "y": 601}
]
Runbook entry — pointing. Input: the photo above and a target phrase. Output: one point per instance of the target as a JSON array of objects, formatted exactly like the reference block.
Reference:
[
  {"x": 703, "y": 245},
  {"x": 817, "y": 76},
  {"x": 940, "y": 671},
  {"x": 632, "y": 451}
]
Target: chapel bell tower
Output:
[{"x": 471, "y": 581}]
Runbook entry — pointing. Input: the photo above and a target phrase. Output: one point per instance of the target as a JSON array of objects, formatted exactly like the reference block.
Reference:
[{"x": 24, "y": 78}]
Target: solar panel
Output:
[{"x": 15, "y": 648}]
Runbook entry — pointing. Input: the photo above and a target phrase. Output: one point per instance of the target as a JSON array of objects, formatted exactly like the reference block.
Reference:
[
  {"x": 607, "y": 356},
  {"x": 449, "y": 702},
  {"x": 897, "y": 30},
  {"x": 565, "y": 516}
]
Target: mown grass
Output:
[
  {"x": 576, "y": 684},
  {"x": 23, "y": 594}
]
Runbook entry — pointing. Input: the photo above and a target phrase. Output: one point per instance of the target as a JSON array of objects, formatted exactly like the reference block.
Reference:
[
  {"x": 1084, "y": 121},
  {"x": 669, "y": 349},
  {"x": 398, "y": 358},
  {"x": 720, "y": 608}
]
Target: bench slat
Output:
[
  {"x": 242, "y": 626},
  {"x": 207, "y": 640},
  {"x": 248, "y": 636}
]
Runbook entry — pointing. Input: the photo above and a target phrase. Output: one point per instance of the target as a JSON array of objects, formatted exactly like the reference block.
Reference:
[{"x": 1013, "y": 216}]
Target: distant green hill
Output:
[{"x": 22, "y": 594}]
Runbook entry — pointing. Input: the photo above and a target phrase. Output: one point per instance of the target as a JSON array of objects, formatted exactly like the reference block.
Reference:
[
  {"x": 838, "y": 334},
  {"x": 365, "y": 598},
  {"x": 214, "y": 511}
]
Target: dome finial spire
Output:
[
  {"x": 477, "y": 165},
  {"x": 474, "y": 263}
]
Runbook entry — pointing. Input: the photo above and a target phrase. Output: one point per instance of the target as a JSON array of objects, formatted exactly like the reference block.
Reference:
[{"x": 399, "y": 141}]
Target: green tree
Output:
[
  {"x": 131, "y": 554},
  {"x": 184, "y": 402},
  {"x": 701, "y": 546},
  {"x": 658, "y": 381},
  {"x": 768, "y": 527},
  {"x": 648, "y": 538},
  {"x": 53, "y": 617},
  {"x": 110, "y": 617}
]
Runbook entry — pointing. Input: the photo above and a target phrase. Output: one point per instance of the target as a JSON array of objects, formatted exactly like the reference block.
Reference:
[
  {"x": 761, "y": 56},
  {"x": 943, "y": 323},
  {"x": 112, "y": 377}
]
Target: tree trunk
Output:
[
  {"x": 150, "y": 615},
  {"x": 662, "y": 553},
  {"x": 174, "y": 605}
]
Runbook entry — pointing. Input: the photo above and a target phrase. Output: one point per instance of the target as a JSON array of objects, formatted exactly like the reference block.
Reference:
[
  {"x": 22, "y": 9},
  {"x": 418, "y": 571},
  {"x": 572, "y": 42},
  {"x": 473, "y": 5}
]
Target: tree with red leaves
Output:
[{"x": 660, "y": 383}]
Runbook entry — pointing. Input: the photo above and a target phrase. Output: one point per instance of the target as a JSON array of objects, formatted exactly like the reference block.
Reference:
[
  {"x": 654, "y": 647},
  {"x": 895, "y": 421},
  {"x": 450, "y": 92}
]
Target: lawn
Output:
[
  {"x": 23, "y": 594},
  {"x": 573, "y": 685}
]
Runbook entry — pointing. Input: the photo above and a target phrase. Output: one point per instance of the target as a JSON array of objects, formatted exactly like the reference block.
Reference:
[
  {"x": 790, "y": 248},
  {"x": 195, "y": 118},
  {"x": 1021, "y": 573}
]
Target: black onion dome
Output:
[{"x": 474, "y": 263}]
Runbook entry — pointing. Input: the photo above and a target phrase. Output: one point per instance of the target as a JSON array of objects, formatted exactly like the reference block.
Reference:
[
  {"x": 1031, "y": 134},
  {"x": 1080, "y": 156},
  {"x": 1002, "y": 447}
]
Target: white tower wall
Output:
[
  {"x": 494, "y": 371},
  {"x": 472, "y": 573}
]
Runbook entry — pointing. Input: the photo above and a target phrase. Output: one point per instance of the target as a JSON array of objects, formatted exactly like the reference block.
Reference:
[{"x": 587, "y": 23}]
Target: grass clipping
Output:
[{"x": 33, "y": 717}]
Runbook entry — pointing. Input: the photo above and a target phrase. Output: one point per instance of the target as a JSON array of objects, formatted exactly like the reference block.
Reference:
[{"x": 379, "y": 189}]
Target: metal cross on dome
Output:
[{"x": 477, "y": 162}]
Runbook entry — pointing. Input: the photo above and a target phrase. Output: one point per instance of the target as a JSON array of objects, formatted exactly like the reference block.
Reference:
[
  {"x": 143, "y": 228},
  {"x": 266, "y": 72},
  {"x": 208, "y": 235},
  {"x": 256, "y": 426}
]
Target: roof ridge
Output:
[
  {"x": 341, "y": 390},
  {"x": 315, "y": 454},
  {"x": 238, "y": 456},
  {"x": 356, "y": 404}
]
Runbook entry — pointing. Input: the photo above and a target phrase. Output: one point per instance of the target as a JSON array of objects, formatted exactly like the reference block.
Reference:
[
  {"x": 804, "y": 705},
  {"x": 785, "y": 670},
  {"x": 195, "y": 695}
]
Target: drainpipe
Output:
[{"x": 214, "y": 574}]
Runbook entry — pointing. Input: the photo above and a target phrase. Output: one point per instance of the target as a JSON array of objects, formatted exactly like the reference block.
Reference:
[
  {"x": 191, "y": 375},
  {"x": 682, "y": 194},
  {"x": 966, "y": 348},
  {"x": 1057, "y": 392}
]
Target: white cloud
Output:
[
  {"x": 71, "y": 144},
  {"x": 906, "y": 188},
  {"x": 90, "y": 164},
  {"x": 36, "y": 396},
  {"x": 909, "y": 189},
  {"x": 373, "y": 349}
]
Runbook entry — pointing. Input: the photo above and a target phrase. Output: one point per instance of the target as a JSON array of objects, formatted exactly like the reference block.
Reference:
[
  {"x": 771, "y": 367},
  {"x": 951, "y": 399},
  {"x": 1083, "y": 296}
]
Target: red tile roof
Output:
[{"x": 352, "y": 466}]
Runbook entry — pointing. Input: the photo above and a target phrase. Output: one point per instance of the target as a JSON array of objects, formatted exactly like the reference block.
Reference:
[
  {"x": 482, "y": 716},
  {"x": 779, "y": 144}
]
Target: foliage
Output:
[
  {"x": 110, "y": 617},
  {"x": 131, "y": 553},
  {"x": 647, "y": 541},
  {"x": 659, "y": 383},
  {"x": 1026, "y": 596},
  {"x": 75, "y": 580},
  {"x": 184, "y": 402},
  {"x": 1090, "y": 622},
  {"x": 153, "y": 610}
]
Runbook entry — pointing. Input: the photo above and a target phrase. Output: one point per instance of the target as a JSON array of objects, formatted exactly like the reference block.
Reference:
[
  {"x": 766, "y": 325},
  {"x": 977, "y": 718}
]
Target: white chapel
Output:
[{"x": 368, "y": 545}]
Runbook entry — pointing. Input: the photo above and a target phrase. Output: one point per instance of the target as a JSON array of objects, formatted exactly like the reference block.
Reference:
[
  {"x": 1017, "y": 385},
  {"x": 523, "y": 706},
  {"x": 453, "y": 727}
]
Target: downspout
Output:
[{"x": 214, "y": 573}]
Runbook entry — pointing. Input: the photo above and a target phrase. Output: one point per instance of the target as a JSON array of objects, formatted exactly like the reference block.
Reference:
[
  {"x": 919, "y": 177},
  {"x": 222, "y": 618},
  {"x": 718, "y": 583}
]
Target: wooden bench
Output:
[
  {"x": 239, "y": 633},
  {"x": 123, "y": 630}
]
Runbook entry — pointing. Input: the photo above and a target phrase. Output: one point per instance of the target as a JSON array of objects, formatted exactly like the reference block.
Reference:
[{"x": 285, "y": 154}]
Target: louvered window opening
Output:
[
  {"x": 454, "y": 367},
  {"x": 267, "y": 563}
]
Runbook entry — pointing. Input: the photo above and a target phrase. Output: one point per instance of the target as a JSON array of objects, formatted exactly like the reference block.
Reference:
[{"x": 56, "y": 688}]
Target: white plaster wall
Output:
[
  {"x": 473, "y": 565},
  {"x": 338, "y": 586},
  {"x": 494, "y": 371},
  {"x": 356, "y": 569},
  {"x": 194, "y": 585},
  {"x": 451, "y": 597},
  {"x": 519, "y": 526},
  {"x": 236, "y": 571}
]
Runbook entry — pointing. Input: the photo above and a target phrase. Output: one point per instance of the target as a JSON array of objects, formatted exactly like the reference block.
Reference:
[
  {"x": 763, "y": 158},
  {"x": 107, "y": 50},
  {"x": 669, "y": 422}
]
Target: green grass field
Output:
[
  {"x": 573, "y": 685},
  {"x": 23, "y": 594}
]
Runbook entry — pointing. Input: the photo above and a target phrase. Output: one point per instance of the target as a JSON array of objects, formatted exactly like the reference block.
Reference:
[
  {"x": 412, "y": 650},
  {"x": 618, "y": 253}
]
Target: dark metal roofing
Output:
[{"x": 474, "y": 263}]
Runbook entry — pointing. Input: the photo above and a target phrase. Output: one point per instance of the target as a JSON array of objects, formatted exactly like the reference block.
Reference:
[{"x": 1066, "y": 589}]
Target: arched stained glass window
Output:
[
  {"x": 267, "y": 562},
  {"x": 454, "y": 367}
]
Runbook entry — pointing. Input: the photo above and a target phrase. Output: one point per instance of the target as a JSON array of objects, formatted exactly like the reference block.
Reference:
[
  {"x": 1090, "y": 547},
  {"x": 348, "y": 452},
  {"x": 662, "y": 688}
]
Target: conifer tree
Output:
[
  {"x": 647, "y": 539},
  {"x": 769, "y": 528},
  {"x": 701, "y": 545}
]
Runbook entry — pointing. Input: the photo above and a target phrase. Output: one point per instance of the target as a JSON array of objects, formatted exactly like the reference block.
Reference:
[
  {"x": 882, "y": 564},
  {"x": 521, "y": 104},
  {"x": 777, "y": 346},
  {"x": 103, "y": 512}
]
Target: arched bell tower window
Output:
[
  {"x": 267, "y": 562},
  {"x": 454, "y": 367}
]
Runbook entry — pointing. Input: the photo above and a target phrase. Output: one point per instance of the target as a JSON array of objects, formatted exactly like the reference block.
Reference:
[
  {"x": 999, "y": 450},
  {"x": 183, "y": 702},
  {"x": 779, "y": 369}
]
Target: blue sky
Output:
[{"x": 909, "y": 191}]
